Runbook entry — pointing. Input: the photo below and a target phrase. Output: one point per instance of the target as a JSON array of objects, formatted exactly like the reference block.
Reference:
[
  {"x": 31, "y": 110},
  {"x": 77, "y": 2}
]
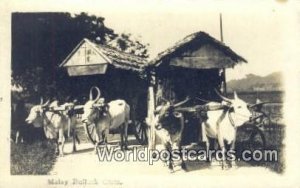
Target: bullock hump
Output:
[
  {"x": 119, "y": 112},
  {"x": 116, "y": 107},
  {"x": 118, "y": 102}
]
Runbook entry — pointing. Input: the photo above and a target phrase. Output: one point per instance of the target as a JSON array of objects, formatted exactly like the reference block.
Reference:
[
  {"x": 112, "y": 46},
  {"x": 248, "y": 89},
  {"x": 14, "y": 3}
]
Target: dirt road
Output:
[{"x": 85, "y": 161}]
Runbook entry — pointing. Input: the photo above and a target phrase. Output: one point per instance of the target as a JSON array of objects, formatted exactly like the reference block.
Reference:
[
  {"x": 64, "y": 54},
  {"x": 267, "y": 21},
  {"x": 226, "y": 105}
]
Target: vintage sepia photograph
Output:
[{"x": 156, "y": 92}]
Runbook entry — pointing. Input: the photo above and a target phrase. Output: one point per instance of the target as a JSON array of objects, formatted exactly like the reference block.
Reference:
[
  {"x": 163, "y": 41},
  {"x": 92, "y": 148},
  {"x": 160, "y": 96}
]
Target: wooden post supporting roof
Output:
[{"x": 150, "y": 120}]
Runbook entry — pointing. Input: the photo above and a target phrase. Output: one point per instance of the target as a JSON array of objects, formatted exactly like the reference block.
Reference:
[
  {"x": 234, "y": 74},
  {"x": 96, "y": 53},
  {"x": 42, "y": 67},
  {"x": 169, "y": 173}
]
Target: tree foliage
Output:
[
  {"x": 41, "y": 41},
  {"x": 126, "y": 42}
]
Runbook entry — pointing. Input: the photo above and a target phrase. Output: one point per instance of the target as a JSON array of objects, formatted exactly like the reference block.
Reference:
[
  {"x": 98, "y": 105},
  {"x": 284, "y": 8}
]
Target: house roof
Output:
[
  {"x": 197, "y": 40},
  {"x": 115, "y": 57}
]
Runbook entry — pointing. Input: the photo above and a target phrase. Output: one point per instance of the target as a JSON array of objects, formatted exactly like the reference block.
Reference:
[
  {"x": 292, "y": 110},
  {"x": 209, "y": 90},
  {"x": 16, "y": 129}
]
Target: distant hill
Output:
[{"x": 252, "y": 82}]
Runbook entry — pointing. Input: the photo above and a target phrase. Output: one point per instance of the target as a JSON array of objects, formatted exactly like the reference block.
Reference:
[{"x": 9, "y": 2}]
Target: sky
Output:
[
  {"x": 254, "y": 33},
  {"x": 259, "y": 31}
]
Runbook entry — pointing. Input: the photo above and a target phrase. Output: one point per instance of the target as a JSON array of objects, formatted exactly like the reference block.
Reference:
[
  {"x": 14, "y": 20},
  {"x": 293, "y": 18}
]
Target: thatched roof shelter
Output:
[
  {"x": 193, "y": 67},
  {"x": 198, "y": 50}
]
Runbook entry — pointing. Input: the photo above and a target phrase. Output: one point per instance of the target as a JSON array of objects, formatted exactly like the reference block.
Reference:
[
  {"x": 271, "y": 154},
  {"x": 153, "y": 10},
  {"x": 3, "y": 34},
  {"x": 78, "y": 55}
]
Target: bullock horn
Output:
[
  {"x": 46, "y": 103},
  {"x": 58, "y": 108},
  {"x": 98, "y": 93},
  {"x": 91, "y": 93},
  {"x": 257, "y": 105},
  {"x": 97, "y": 105},
  {"x": 222, "y": 97},
  {"x": 163, "y": 99},
  {"x": 182, "y": 102},
  {"x": 41, "y": 101},
  {"x": 77, "y": 107}
]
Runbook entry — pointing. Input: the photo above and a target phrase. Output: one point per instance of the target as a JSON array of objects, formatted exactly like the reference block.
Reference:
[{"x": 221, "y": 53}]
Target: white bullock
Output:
[
  {"x": 222, "y": 124},
  {"x": 107, "y": 116},
  {"x": 55, "y": 123}
]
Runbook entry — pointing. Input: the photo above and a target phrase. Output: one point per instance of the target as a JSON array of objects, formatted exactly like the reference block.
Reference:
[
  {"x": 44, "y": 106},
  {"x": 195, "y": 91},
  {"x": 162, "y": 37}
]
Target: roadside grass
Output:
[{"x": 32, "y": 159}]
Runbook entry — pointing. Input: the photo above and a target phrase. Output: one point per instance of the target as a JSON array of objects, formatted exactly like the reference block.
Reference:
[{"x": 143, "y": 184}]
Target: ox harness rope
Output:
[
  {"x": 48, "y": 125},
  {"x": 97, "y": 118},
  {"x": 230, "y": 110}
]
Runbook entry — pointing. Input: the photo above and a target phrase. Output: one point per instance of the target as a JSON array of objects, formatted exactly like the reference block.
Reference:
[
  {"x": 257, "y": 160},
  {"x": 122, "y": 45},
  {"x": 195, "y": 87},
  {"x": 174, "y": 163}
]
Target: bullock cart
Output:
[
  {"x": 137, "y": 128},
  {"x": 252, "y": 131},
  {"x": 263, "y": 119}
]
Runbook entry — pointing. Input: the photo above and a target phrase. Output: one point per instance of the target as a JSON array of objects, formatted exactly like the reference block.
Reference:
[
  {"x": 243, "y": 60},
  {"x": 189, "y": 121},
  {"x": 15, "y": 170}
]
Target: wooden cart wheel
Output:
[
  {"x": 256, "y": 140},
  {"x": 261, "y": 119},
  {"x": 140, "y": 132},
  {"x": 91, "y": 132}
]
